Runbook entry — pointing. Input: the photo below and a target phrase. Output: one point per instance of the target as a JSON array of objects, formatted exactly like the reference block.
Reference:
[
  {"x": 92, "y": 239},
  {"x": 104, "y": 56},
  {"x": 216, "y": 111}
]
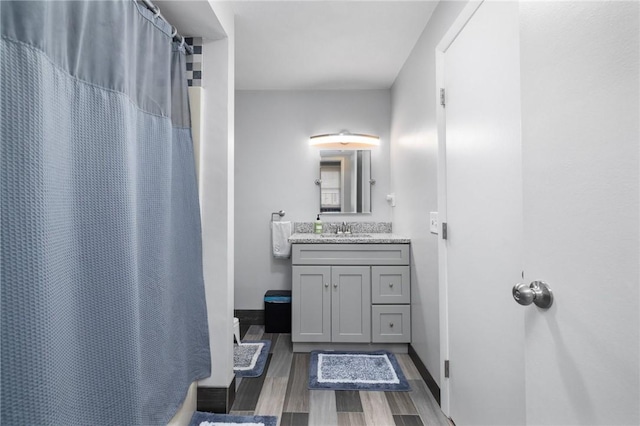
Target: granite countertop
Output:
[{"x": 355, "y": 238}]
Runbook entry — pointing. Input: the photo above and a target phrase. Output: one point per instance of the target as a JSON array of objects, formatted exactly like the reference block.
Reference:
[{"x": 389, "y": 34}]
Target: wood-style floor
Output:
[{"x": 282, "y": 391}]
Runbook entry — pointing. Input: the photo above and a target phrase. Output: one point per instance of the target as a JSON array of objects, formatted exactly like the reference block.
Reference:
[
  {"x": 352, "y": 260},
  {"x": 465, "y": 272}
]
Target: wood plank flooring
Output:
[{"x": 282, "y": 391}]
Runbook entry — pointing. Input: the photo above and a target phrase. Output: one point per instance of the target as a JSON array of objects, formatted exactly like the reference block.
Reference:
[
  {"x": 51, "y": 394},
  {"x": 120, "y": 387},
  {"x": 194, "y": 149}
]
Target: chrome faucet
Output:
[{"x": 345, "y": 229}]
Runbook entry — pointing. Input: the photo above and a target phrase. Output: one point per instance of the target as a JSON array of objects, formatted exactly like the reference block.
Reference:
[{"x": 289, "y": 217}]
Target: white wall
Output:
[
  {"x": 414, "y": 154},
  {"x": 276, "y": 168},
  {"x": 217, "y": 195}
]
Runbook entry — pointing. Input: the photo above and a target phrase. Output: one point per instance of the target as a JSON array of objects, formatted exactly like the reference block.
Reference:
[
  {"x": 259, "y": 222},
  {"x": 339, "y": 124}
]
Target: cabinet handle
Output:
[
  {"x": 390, "y": 284},
  {"x": 335, "y": 285},
  {"x": 326, "y": 285},
  {"x": 390, "y": 324}
]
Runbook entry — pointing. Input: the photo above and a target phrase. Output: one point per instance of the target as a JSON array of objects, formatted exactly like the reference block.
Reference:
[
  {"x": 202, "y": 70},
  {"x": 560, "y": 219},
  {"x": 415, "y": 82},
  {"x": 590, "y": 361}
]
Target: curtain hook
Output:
[
  {"x": 174, "y": 31},
  {"x": 182, "y": 42},
  {"x": 156, "y": 12}
]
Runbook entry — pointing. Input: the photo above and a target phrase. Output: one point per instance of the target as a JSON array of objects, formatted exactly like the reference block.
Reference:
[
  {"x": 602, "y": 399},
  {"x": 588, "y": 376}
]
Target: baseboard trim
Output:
[
  {"x": 216, "y": 400},
  {"x": 250, "y": 316},
  {"x": 305, "y": 347},
  {"x": 426, "y": 376}
]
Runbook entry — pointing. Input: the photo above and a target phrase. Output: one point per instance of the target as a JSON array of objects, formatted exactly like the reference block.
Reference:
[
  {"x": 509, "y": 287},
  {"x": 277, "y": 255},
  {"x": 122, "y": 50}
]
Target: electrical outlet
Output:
[{"x": 433, "y": 222}]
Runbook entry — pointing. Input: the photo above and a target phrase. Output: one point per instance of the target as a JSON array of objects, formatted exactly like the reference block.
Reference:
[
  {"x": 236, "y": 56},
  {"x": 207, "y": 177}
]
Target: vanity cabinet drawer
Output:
[
  {"x": 350, "y": 254},
  {"x": 391, "y": 323},
  {"x": 390, "y": 284}
]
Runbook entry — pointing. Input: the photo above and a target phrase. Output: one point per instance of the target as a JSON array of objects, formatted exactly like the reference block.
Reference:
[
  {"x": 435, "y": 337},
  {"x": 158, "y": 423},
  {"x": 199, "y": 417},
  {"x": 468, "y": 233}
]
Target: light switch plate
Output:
[{"x": 433, "y": 222}]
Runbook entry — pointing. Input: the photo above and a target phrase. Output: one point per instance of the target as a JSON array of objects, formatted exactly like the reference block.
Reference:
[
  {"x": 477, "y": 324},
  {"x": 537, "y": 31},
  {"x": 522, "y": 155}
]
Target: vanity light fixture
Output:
[{"x": 345, "y": 140}]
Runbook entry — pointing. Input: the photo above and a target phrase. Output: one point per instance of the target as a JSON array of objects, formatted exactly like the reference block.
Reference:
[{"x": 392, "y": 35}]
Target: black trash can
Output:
[{"x": 277, "y": 311}]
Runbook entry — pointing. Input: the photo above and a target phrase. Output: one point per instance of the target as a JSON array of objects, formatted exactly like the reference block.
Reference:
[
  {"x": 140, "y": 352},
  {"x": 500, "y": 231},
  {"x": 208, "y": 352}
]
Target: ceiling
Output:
[{"x": 348, "y": 44}]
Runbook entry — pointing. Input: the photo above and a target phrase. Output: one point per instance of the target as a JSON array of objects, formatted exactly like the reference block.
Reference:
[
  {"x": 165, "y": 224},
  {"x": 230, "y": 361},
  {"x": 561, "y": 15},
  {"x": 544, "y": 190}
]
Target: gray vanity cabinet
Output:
[
  {"x": 351, "y": 293},
  {"x": 332, "y": 304}
]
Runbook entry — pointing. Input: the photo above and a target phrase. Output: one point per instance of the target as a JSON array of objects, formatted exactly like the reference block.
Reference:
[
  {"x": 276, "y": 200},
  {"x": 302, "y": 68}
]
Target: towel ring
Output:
[{"x": 280, "y": 213}]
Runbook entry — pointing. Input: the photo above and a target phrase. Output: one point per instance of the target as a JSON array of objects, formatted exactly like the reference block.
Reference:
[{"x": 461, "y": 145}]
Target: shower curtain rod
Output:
[{"x": 156, "y": 11}]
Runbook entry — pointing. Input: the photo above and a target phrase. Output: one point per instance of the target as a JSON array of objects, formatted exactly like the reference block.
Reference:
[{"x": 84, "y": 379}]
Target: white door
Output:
[
  {"x": 580, "y": 143},
  {"x": 577, "y": 362},
  {"x": 484, "y": 211}
]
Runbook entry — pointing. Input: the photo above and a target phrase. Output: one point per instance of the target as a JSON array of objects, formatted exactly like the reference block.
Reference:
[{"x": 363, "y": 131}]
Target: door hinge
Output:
[
  {"x": 446, "y": 368},
  {"x": 444, "y": 230},
  {"x": 442, "y": 97}
]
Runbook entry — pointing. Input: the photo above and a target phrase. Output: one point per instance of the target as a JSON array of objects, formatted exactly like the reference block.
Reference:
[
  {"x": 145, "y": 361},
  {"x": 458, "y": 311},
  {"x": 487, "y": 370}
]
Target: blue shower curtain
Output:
[{"x": 103, "y": 309}]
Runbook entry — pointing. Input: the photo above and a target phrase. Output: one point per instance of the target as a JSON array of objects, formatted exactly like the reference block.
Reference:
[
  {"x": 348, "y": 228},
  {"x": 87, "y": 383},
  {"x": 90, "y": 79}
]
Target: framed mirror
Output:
[{"x": 345, "y": 181}]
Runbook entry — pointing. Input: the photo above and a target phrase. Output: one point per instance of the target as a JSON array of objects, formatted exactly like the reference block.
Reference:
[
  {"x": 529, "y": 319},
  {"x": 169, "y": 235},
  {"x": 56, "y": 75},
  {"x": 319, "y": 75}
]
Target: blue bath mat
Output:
[
  {"x": 210, "y": 419},
  {"x": 367, "y": 371},
  {"x": 250, "y": 358}
]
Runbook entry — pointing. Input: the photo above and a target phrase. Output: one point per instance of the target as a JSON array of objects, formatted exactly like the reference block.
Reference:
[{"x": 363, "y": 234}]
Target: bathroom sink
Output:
[{"x": 346, "y": 235}]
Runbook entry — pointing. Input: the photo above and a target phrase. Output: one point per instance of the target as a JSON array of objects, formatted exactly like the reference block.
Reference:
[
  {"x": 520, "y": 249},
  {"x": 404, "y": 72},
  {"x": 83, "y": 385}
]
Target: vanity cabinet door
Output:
[
  {"x": 351, "y": 304},
  {"x": 311, "y": 304}
]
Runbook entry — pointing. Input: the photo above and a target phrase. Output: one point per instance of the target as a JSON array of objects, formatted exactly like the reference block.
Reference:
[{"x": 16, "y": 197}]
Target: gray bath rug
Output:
[
  {"x": 250, "y": 358},
  {"x": 209, "y": 419},
  {"x": 368, "y": 371}
]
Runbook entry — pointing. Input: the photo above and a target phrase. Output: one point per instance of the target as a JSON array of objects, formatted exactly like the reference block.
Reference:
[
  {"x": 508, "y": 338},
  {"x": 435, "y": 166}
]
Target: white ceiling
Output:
[{"x": 346, "y": 44}]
